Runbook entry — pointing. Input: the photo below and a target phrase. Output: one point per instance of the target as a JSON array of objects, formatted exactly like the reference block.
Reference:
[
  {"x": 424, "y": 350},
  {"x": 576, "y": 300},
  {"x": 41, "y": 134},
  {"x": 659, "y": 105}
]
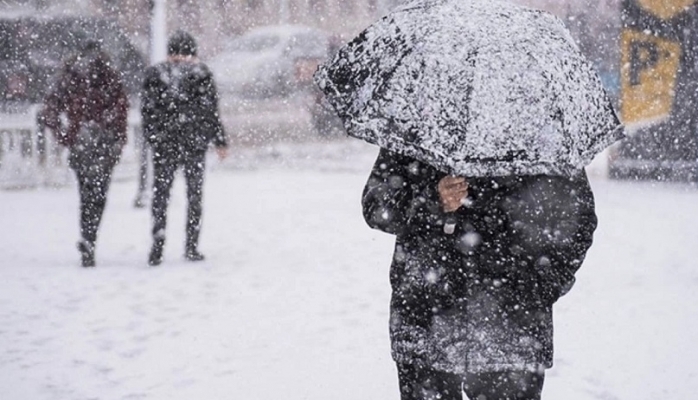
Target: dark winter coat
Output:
[
  {"x": 90, "y": 91},
  {"x": 179, "y": 107},
  {"x": 479, "y": 299}
]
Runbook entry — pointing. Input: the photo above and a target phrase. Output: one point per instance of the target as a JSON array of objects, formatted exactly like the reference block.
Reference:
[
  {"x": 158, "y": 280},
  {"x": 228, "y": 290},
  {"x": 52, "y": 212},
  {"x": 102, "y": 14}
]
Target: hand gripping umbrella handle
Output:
[{"x": 450, "y": 223}]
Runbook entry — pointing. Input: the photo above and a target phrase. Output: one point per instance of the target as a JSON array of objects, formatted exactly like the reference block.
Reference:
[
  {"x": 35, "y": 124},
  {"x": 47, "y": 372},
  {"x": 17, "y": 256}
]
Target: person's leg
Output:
[
  {"x": 100, "y": 182},
  {"x": 143, "y": 150},
  {"x": 93, "y": 186},
  {"x": 86, "y": 244},
  {"x": 509, "y": 385},
  {"x": 85, "y": 189},
  {"x": 418, "y": 383},
  {"x": 163, "y": 175},
  {"x": 194, "y": 168}
]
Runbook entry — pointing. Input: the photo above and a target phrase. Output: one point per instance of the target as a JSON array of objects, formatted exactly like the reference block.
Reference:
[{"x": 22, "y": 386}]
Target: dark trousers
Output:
[
  {"x": 93, "y": 184},
  {"x": 165, "y": 164},
  {"x": 425, "y": 384},
  {"x": 143, "y": 150}
]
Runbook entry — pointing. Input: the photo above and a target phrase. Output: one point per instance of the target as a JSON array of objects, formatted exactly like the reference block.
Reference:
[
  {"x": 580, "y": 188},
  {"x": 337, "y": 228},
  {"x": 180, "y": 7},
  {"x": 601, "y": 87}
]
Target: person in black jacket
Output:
[
  {"x": 90, "y": 91},
  {"x": 180, "y": 119},
  {"x": 478, "y": 264}
]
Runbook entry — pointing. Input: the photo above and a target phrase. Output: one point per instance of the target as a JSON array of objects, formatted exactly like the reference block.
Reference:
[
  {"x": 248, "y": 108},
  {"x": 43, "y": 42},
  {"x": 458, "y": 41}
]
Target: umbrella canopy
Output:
[{"x": 473, "y": 88}]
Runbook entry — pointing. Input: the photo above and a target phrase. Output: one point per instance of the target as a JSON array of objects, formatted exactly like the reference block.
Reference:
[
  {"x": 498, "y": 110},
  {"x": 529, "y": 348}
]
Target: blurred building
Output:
[
  {"x": 595, "y": 23},
  {"x": 214, "y": 22},
  {"x": 218, "y": 20}
]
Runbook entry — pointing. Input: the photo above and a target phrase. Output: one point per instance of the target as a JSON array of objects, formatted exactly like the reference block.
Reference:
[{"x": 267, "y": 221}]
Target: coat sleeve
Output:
[
  {"x": 54, "y": 104},
  {"x": 150, "y": 97},
  {"x": 400, "y": 196},
  {"x": 552, "y": 223},
  {"x": 211, "y": 118}
]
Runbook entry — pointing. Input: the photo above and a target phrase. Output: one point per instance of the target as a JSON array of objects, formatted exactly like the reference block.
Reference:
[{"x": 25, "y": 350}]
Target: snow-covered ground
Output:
[{"x": 292, "y": 301}]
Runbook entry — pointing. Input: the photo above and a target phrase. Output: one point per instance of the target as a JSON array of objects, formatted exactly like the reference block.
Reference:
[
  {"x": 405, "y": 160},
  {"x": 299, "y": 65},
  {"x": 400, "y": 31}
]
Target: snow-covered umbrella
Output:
[{"x": 473, "y": 88}]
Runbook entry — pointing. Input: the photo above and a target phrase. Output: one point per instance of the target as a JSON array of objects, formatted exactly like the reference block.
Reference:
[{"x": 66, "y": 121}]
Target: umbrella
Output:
[{"x": 473, "y": 88}]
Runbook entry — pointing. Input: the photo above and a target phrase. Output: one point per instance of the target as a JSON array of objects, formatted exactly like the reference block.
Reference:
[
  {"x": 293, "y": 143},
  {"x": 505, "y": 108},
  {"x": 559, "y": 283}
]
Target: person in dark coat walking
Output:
[
  {"x": 91, "y": 93},
  {"x": 180, "y": 119},
  {"x": 477, "y": 267}
]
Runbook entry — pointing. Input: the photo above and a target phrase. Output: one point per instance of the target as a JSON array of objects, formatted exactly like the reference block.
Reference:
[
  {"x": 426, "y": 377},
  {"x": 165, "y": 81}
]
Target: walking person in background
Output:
[
  {"x": 91, "y": 93},
  {"x": 180, "y": 119}
]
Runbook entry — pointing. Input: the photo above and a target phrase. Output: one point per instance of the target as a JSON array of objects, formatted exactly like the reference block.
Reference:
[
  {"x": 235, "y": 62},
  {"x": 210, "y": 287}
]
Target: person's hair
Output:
[
  {"x": 181, "y": 43},
  {"x": 90, "y": 52}
]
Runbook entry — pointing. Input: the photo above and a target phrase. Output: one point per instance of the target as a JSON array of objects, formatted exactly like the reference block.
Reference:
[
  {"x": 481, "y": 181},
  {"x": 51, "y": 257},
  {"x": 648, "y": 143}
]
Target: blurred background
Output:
[
  {"x": 263, "y": 54},
  {"x": 293, "y": 301}
]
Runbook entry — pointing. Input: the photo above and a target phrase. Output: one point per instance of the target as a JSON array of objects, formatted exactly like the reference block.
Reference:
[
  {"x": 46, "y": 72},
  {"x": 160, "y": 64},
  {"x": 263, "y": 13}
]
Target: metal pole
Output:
[
  {"x": 283, "y": 12},
  {"x": 158, "y": 31}
]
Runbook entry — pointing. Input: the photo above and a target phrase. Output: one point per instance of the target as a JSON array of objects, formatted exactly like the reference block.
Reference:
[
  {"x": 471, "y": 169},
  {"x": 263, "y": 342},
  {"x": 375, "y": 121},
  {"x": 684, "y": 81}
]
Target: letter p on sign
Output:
[{"x": 650, "y": 66}]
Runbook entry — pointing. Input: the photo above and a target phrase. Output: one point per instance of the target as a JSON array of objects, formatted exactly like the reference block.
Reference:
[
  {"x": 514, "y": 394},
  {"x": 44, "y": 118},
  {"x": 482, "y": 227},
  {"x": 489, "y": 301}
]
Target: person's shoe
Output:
[
  {"x": 193, "y": 255},
  {"x": 155, "y": 257},
  {"x": 87, "y": 251},
  {"x": 139, "y": 202}
]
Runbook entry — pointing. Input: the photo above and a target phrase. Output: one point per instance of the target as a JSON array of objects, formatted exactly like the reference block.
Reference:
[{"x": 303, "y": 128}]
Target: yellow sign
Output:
[
  {"x": 665, "y": 9},
  {"x": 648, "y": 76}
]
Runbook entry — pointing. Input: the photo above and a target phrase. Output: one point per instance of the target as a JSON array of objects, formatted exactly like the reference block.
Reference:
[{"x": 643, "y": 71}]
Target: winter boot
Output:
[
  {"x": 155, "y": 257},
  {"x": 139, "y": 202},
  {"x": 87, "y": 251},
  {"x": 192, "y": 254}
]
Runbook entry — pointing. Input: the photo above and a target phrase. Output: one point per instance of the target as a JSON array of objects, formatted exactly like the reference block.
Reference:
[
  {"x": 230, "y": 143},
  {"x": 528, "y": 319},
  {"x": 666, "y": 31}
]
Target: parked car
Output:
[
  {"x": 33, "y": 49},
  {"x": 270, "y": 61}
]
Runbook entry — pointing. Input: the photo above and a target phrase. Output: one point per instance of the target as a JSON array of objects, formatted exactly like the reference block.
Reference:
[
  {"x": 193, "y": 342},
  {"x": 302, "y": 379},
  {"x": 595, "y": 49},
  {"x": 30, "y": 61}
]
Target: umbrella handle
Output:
[{"x": 450, "y": 223}]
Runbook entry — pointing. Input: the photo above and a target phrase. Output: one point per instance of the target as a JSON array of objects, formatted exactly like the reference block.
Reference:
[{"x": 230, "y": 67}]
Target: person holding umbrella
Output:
[
  {"x": 473, "y": 302},
  {"x": 486, "y": 114}
]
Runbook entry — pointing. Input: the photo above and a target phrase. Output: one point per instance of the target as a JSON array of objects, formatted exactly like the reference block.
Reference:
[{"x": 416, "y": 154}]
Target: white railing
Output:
[{"x": 30, "y": 157}]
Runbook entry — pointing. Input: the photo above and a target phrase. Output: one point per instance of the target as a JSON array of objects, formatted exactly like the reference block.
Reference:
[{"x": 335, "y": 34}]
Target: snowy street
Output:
[{"x": 292, "y": 300}]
